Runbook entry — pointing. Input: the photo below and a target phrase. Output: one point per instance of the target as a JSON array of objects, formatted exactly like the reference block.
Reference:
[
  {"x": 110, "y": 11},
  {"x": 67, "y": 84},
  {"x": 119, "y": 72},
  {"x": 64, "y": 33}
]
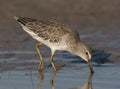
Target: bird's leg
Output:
[
  {"x": 52, "y": 62},
  {"x": 37, "y": 45}
]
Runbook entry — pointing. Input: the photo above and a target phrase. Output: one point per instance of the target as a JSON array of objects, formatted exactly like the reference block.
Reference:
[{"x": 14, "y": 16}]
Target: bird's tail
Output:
[
  {"x": 16, "y": 18},
  {"x": 24, "y": 20}
]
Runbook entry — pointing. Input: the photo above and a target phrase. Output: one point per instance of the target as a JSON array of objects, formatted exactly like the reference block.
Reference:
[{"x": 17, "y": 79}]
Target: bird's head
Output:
[{"x": 85, "y": 52}]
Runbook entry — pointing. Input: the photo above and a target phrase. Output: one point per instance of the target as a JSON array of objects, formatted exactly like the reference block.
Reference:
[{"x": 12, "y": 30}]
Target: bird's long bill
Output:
[{"x": 90, "y": 66}]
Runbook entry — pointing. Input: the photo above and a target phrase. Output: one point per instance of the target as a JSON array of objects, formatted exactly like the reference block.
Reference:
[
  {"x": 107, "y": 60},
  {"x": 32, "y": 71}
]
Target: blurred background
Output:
[{"x": 97, "y": 22}]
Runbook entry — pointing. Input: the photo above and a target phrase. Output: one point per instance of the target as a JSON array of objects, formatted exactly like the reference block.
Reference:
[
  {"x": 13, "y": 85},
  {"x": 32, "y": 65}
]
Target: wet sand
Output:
[{"x": 97, "y": 24}]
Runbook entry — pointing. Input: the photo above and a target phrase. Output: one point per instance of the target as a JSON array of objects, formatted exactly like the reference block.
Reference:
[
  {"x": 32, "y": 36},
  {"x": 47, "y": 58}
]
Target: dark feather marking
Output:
[
  {"x": 49, "y": 30},
  {"x": 24, "y": 21}
]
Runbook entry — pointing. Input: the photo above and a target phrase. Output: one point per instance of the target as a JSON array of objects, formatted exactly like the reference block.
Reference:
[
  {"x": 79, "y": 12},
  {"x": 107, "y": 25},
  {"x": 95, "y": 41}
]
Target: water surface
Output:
[{"x": 72, "y": 74}]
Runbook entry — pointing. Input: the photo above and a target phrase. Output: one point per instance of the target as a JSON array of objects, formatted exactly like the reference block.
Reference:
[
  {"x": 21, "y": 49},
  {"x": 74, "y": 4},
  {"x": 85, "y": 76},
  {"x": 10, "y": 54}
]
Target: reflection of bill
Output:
[
  {"x": 41, "y": 77},
  {"x": 87, "y": 85}
]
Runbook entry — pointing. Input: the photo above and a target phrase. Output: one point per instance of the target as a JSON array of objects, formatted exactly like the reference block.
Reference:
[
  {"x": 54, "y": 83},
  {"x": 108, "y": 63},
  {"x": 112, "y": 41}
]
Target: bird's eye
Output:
[{"x": 86, "y": 53}]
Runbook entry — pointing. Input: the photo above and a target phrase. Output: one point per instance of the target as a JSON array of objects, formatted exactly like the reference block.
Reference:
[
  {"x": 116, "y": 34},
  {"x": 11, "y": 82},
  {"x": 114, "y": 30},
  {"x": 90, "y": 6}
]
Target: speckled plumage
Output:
[
  {"x": 52, "y": 32},
  {"x": 57, "y": 37}
]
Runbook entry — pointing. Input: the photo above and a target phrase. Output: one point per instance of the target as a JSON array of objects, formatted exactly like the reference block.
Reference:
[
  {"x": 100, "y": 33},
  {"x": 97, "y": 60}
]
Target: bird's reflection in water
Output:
[
  {"x": 86, "y": 85},
  {"x": 41, "y": 77}
]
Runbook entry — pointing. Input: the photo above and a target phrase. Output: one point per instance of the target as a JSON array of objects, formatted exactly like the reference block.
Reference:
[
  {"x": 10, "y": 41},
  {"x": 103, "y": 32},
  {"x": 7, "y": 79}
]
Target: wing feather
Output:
[{"x": 48, "y": 30}]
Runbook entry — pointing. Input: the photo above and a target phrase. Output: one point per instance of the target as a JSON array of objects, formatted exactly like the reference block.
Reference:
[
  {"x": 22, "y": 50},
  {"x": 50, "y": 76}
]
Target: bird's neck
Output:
[{"x": 73, "y": 49}]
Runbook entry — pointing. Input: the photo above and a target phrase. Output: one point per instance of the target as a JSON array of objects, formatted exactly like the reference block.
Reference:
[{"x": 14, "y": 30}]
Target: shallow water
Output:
[
  {"x": 72, "y": 74},
  {"x": 98, "y": 25}
]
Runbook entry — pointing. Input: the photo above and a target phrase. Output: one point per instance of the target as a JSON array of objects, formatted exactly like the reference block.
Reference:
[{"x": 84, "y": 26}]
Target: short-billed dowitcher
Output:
[{"x": 56, "y": 37}]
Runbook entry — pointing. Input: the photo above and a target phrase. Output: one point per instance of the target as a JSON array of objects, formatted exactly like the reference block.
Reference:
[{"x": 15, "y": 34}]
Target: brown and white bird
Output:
[{"x": 56, "y": 37}]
